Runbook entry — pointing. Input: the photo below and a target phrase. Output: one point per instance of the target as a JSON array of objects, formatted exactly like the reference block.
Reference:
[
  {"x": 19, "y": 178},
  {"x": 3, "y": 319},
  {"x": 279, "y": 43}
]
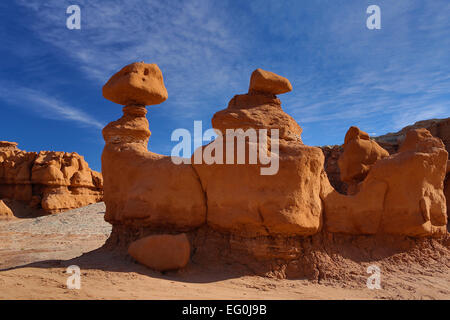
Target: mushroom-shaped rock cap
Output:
[
  {"x": 268, "y": 82},
  {"x": 137, "y": 83}
]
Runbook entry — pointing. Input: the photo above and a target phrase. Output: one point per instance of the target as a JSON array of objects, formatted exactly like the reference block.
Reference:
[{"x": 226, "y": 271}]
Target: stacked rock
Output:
[
  {"x": 243, "y": 201},
  {"x": 143, "y": 188}
]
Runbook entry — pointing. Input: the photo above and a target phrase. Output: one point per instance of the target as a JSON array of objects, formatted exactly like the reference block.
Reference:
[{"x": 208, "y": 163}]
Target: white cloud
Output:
[{"x": 45, "y": 106}]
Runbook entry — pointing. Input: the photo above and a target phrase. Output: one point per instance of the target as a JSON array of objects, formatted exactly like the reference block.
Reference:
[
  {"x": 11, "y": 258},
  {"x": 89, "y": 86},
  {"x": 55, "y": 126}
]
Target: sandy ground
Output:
[{"x": 35, "y": 252}]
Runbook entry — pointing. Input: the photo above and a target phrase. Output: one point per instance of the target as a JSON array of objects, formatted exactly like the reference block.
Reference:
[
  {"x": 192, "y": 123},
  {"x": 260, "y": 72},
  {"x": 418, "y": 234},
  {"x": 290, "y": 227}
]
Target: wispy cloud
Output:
[
  {"x": 46, "y": 106},
  {"x": 189, "y": 40},
  {"x": 342, "y": 72}
]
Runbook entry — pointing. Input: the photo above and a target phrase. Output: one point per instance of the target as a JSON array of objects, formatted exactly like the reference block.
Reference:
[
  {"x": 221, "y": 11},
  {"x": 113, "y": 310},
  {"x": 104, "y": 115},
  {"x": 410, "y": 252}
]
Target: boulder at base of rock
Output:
[
  {"x": 137, "y": 83},
  {"x": 268, "y": 82},
  {"x": 162, "y": 252},
  {"x": 5, "y": 211}
]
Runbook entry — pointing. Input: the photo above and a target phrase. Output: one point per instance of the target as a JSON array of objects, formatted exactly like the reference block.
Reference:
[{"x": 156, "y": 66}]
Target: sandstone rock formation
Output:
[
  {"x": 5, "y": 211},
  {"x": 239, "y": 198},
  {"x": 360, "y": 153},
  {"x": 391, "y": 142},
  {"x": 162, "y": 252},
  {"x": 53, "y": 181},
  {"x": 141, "y": 187},
  {"x": 402, "y": 194},
  {"x": 251, "y": 210}
]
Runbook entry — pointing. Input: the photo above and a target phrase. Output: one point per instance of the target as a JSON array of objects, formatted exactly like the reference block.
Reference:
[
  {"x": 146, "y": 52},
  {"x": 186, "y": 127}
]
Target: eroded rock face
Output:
[
  {"x": 53, "y": 181},
  {"x": 162, "y": 252},
  {"x": 360, "y": 153},
  {"x": 240, "y": 199},
  {"x": 401, "y": 194}
]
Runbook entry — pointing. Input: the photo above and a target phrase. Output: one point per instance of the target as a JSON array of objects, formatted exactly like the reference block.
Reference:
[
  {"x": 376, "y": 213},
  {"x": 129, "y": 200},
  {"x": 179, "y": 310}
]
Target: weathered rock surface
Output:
[
  {"x": 402, "y": 194},
  {"x": 137, "y": 83},
  {"x": 5, "y": 211},
  {"x": 360, "y": 153},
  {"x": 144, "y": 188},
  {"x": 240, "y": 199},
  {"x": 162, "y": 252},
  {"x": 53, "y": 181}
]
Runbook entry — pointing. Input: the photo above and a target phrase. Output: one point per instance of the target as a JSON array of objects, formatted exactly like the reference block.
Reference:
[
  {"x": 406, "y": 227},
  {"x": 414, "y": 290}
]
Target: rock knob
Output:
[{"x": 137, "y": 83}]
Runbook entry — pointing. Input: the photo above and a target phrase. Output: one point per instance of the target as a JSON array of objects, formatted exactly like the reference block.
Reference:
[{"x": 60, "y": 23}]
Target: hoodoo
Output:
[{"x": 285, "y": 221}]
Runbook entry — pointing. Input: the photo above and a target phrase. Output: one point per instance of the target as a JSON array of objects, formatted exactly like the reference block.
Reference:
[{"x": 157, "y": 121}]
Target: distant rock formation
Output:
[
  {"x": 439, "y": 128},
  {"x": 53, "y": 181}
]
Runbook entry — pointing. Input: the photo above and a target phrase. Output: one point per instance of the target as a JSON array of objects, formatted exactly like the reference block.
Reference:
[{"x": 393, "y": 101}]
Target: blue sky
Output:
[{"x": 342, "y": 73}]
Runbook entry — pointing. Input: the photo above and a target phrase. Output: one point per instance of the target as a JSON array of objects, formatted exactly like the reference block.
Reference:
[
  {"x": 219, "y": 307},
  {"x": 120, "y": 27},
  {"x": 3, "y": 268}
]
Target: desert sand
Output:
[{"x": 37, "y": 250}]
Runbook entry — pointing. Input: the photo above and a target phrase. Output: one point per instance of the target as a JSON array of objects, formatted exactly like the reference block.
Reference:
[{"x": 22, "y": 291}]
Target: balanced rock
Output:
[
  {"x": 401, "y": 194},
  {"x": 240, "y": 199},
  {"x": 360, "y": 153},
  {"x": 262, "y": 81},
  {"x": 143, "y": 188},
  {"x": 5, "y": 211},
  {"x": 162, "y": 252},
  {"x": 138, "y": 83}
]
